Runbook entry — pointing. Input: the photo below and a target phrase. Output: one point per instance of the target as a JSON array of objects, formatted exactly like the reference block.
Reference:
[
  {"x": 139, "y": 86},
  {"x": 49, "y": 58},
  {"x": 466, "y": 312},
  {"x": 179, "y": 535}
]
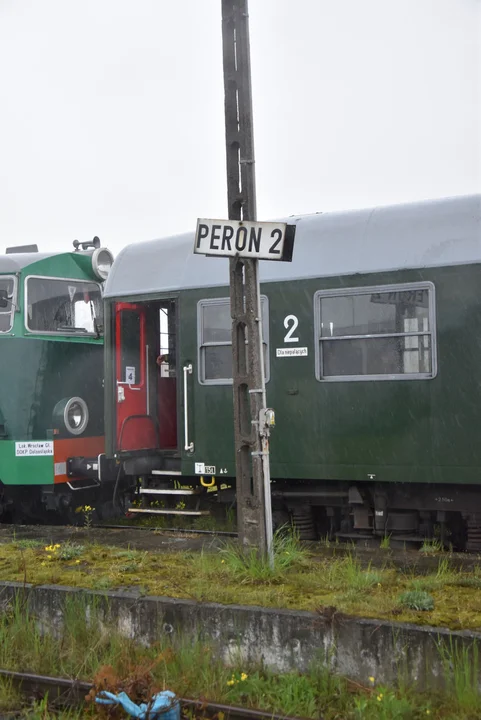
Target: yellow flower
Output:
[
  {"x": 77, "y": 562},
  {"x": 428, "y": 712},
  {"x": 52, "y": 548},
  {"x": 222, "y": 561},
  {"x": 43, "y": 562},
  {"x": 372, "y": 680},
  {"x": 244, "y": 676},
  {"x": 379, "y": 697},
  {"x": 230, "y": 682}
]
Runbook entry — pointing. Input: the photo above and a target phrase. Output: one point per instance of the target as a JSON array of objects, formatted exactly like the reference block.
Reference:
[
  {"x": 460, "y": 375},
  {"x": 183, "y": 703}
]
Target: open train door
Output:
[{"x": 136, "y": 427}]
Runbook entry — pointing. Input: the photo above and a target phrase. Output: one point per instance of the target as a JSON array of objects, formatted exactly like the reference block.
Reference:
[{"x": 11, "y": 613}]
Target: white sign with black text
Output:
[
  {"x": 130, "y": 375},
  {"x": 257, "y": 240},
  {"x": 203, "y": 469},
  {"x": 35, "y": 448},
  {"x": 291, "y": 352}
]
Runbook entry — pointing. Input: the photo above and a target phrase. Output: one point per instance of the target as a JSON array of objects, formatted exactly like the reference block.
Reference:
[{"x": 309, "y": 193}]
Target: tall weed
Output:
[
  {"x": 348, "y": 575},
  {"x": 461, "y": 671},
  {"x": 250, "y": 566}
]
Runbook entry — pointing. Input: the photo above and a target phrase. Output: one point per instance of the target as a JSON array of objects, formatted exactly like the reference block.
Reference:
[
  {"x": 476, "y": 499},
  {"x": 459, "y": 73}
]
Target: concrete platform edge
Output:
[{"x": 282, "y": 640}]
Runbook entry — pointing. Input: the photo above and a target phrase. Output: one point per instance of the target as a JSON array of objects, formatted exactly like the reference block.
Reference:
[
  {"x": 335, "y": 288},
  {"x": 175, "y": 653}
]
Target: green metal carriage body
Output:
[{"x": 413, "y": 430}]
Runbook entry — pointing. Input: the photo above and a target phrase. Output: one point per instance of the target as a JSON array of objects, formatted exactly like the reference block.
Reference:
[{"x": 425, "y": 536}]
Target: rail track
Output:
[
  {"x": 183, "y": 531},
  {"x": 70, "y": 693}
]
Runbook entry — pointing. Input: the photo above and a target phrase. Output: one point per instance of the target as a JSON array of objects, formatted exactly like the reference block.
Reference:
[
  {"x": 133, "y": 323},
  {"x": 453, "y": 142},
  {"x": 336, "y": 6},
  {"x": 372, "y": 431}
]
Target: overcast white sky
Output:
[{"x": 112, "y": 121}]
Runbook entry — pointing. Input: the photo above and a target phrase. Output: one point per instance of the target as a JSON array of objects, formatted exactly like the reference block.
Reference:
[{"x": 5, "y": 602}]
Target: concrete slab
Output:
[{"x": 282, "y": 640}]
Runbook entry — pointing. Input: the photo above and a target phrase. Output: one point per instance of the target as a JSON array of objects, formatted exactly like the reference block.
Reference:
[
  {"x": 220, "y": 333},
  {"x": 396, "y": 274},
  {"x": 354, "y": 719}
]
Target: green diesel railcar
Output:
[
  {"x": 372, "y": 341},
  {"x": 51, "y": 386}
]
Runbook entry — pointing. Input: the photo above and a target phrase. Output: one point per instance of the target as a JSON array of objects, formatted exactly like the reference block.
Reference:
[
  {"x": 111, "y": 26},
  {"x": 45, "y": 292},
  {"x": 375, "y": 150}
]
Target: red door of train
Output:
[{"x": 136, "y": 429}]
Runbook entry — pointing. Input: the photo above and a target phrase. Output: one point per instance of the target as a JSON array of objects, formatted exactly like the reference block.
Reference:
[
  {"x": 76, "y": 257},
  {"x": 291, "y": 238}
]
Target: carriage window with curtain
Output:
[
  {"x": 214, "y": 338},
  {"x": 65, "y": 307},
  {"x": 380, "y": 333}
]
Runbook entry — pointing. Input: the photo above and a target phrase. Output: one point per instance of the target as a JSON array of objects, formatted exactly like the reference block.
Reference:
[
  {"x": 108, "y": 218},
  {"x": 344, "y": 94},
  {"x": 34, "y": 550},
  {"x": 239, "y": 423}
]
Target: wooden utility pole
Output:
[{"x": 254, "y": 512}]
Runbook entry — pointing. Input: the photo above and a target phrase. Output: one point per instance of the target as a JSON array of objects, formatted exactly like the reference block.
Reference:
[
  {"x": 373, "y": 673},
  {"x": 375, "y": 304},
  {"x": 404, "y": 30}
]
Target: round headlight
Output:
[
  {"x": 102, "y": 261},
  {"x": 73, "y": 414}
]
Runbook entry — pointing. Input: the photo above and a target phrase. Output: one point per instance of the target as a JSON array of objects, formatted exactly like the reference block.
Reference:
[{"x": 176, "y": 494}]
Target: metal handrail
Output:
[{"x": 188, "y": 446}]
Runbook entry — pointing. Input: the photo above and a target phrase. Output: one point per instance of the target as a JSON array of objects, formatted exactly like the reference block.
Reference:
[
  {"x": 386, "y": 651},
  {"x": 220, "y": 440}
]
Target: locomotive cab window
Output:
[
  {"x": 376, "y": 333},
  {"x": 7, "y": 302},
  {"x": 63, "y": 307},
  {"x": 214, "y": 338}
]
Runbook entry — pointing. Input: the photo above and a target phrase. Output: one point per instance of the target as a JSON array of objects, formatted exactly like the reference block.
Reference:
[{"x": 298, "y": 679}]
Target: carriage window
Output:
[
  {"x": 376, "y": 333},
  {"x": 64, "y": 307},
  {"x": 7, "y": 303},
  {"x": 214, "y": 336}
]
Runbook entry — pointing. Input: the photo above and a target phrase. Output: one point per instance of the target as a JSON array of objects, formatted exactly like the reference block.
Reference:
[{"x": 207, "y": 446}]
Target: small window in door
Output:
[
  {"x": 167, "y": 345},
  {"x": 130, "y": 347}
]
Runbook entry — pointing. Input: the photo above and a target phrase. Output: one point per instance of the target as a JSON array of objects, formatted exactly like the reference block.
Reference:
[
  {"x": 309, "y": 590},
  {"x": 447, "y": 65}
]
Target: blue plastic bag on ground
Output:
[{"x": 163, "y": 706}]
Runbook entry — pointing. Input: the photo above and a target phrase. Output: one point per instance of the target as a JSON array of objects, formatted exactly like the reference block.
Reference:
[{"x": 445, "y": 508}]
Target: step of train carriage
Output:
[{"x": 147, "y": 398}]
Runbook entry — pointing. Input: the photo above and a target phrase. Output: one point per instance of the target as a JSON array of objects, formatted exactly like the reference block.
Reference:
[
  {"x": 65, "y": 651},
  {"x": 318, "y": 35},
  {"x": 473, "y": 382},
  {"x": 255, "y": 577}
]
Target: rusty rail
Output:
[
  {"x": 68, "y": 692},
  {"x": 186, "y": 531}
]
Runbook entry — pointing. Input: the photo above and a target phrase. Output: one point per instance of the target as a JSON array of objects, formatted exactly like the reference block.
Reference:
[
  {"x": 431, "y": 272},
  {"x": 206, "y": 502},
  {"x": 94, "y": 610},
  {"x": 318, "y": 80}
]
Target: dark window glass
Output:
[
  {"x": 218, "y": 362},
  {"x": 216, "y": 335},
  {"x": 384, "y": 333},
  {"x": 7, "y": 303},
  {"x": 373, "y": 314},
  {"x": 130, "y": 346},
  {"x": 376, "y": 356},
  {"x": 217, "y": 323},
  {"x": 64, "y": 306}
]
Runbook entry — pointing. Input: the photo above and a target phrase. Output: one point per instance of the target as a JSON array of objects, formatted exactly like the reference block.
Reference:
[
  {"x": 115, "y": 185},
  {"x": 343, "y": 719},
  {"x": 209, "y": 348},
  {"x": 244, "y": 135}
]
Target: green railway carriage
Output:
[
  {"x": 51, "y": 386},
  {"x": 372, "y": 340}
]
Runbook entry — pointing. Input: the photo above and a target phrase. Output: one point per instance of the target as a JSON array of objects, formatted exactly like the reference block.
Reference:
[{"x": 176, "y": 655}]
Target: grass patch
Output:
[
  {"x": 461, "y": 669},
  {"x": 431, "y": 546},
  {"x": 348, "y": 574},
  {"x": 41, "y": 710},
  {"x": 442, "y": 578},
  {"x": 297, "y": 581},
  {"x": 417, "y": 600},
  {"x": 10, "y": 698},
  {"x": 249, "y": 566},
  {"x": 386, "y": 704},
  {"x": 69, "y": 551},
  {"x": 385, "y": 542},
  {"x": 27, "y": 544}
]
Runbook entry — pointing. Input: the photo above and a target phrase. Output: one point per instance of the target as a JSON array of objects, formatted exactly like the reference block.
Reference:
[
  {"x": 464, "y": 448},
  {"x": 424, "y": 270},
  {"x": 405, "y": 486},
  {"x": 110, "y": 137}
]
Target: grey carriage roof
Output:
[
  {"x": 423, "y": 234},
  {"x": 17, "y": 261}
]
